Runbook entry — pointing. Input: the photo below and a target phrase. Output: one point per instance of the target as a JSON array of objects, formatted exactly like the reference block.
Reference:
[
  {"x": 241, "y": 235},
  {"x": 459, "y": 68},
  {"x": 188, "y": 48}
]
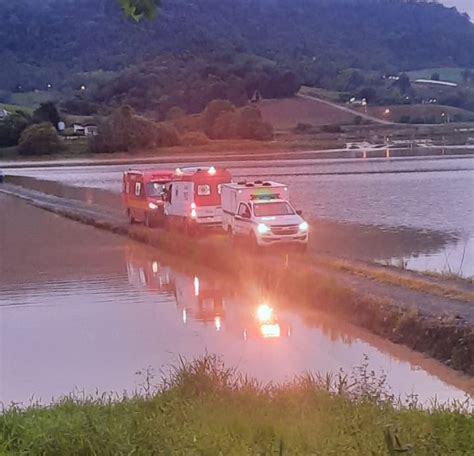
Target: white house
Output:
[
  {"x": 91, "y": 130},
  {"x": 79, "y": 130},
  {"x": 85, "y": 130}
]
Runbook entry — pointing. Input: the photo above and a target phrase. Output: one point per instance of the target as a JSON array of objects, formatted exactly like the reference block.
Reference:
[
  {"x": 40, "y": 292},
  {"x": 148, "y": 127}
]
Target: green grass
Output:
[
  {"x": 446, "y": 74},
  {"x": 34, "y": 99},
  {"x": 16, "y": 108},
  {"x": 204, "y": 408},
  {"x": 330, "y": 95}
]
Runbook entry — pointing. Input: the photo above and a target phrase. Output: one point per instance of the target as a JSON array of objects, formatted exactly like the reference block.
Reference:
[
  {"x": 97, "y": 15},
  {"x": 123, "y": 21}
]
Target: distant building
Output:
[
  {"x": 79, "y": 130},
  {"x": 85, "y": 130},
  {"x": 91, "y": 130}
]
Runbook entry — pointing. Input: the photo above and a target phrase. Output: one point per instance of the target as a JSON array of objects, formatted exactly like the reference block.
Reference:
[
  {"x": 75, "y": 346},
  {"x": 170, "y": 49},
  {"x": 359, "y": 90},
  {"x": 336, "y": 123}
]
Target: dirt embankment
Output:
[{"x": 400, "y": 314}]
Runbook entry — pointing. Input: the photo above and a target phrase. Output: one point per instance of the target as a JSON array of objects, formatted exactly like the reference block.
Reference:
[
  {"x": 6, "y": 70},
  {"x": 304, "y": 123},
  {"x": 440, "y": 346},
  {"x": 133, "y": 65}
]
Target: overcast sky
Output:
[{"x": 466, "y": 6}]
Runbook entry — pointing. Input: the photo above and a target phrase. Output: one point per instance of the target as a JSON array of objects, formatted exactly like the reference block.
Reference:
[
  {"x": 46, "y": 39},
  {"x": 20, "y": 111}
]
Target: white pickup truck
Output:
[{"x": 261, "y": 212}]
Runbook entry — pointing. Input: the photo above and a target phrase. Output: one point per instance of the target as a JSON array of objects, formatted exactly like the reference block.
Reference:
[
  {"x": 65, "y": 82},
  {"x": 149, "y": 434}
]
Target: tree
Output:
[
  {"x": 369, "y": 93},
  {"x": 435, "y": 76},
  {"x": 139, "y": 9},
  {"x": 11, "y": 129},
  {"x": 467, "y": 75},
  {"x": 47, "y": 112},
  {"x": 403, "y": 83},
  {"x": 213, "y": 110},
  {"x": 39, "y": 139}
]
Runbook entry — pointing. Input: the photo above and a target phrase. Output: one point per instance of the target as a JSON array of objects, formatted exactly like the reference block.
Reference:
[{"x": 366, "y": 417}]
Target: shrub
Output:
[
  {"x": 11, "y": 129},
  {"x": 125, "y": 131},
  {"x": 80, "y": 107},
  {"x": 175, "y": 113},
  {"x": 226, "y": 126},
  {"x": 213, "y": 110},
  {"x": 188, "y": 123},
  {"x": 47, "y": 112},
  {"x": 405, "y": 119},
  {"x": 331, "y": 128},
  {"x": 167, "y": 135},
  {"x": 251, "y": 125},
  {"x": 39, "y": 139},
  {"x": 194, "y": 138},
  {"x": 302, "y": 127}
]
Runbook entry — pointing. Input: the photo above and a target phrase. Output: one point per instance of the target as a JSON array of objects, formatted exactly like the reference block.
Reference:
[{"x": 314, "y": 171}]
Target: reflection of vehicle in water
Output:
[
  {"x": 266, "y": 324},
  {"x": 199, "y": 300},
  {"x": 204, "y": 301},
  {"x": 148, "y": 273}
]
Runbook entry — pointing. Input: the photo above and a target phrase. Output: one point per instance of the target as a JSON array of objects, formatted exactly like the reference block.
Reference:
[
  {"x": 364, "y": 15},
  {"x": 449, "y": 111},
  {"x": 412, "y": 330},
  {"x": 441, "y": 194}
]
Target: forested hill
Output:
[{"x": 43, "y": 41}]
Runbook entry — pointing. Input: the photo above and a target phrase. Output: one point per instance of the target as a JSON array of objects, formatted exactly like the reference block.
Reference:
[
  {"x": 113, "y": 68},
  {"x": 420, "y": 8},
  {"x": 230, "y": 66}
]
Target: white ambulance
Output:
[
  {"x": 261, "y": 212},
  {"x": 193, "y": 197}
]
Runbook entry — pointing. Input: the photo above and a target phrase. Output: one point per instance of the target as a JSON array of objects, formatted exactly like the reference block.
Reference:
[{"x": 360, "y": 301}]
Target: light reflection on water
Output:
[{"x": 80, "y": 308}]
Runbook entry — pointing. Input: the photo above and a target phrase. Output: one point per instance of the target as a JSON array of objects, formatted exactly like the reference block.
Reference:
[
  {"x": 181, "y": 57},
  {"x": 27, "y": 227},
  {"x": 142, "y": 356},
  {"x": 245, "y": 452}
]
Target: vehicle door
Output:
[
  {"x": 243, "y": 220},
  {"x": 139, "y": 200}
]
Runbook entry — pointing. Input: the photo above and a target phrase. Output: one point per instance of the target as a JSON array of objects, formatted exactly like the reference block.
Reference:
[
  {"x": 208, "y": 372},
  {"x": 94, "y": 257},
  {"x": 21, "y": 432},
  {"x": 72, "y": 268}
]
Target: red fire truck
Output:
[
  {"x": 143, "y": 195},
  {"x": 193, "y": 197}
]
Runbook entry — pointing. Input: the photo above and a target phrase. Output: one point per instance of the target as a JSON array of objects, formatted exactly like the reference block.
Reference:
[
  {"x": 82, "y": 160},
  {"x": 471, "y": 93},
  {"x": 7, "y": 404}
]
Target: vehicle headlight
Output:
[
  {"x": 304, "y": 226},
  {"x": 262, "y": 228},
  {"x": 152, "y": 206}
]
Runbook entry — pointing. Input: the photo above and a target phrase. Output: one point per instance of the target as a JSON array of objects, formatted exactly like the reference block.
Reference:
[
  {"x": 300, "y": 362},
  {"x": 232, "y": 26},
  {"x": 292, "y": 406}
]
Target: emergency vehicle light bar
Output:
[{"x": 270, "y": 196}]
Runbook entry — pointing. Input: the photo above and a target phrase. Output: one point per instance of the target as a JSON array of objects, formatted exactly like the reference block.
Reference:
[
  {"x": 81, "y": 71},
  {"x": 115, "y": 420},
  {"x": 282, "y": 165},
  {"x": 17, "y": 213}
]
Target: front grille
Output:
[{"x": 286, "y": 230}]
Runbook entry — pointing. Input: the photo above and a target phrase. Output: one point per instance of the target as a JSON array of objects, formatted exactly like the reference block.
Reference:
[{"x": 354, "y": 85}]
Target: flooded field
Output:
[
  {"x": 84, "y": 310},
  {"x": 422, "y": 205}
]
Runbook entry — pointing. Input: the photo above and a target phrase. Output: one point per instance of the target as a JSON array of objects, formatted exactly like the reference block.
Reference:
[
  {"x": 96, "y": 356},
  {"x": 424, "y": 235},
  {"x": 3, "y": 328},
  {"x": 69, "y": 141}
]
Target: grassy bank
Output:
[{"x": 204, "y": 408}]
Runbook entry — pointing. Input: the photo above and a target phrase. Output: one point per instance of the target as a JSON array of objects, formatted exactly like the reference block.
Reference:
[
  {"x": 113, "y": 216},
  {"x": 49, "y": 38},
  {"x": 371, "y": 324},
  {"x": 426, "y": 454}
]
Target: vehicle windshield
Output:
[
  {"x": 272, "y": 209},
  {"x": 155, "y": 189}
]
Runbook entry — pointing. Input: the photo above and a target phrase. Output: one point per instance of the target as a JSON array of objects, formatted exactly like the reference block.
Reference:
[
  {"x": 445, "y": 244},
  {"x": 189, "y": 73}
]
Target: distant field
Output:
[
  {"x": 330, "y": 95},
  {"x": 421, "y": 112},
  {"x": 15, "y": 108},
  {"x": 33, "y": 99},
  {"x": 446, "y": 74},
  {"x": 287, "y": 113}
]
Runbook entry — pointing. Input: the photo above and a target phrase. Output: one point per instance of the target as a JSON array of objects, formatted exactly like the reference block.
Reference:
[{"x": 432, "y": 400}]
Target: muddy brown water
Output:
[{"x": 84, "y": 310}]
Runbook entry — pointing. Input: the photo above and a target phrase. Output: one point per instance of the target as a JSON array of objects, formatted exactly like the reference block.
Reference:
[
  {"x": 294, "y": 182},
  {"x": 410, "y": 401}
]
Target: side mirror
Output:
[{"x": 300, "y": 212}]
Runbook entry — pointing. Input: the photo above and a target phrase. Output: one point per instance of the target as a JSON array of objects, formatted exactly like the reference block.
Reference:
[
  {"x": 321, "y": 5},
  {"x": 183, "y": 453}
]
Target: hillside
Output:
[{"x": 56, "y": 41}]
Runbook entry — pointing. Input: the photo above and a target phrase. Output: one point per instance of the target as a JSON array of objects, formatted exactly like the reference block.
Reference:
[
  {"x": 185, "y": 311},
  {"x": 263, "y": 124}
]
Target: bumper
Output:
[
  {"x": 300, "y": 238},
  {"x": 208, "y": 222}
]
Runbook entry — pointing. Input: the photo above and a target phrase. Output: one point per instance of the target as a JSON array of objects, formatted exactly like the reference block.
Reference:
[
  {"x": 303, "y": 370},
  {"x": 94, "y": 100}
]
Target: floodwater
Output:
[
  {"x": 423, "y": 206},
  {"x": 83, "y": 310}
]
